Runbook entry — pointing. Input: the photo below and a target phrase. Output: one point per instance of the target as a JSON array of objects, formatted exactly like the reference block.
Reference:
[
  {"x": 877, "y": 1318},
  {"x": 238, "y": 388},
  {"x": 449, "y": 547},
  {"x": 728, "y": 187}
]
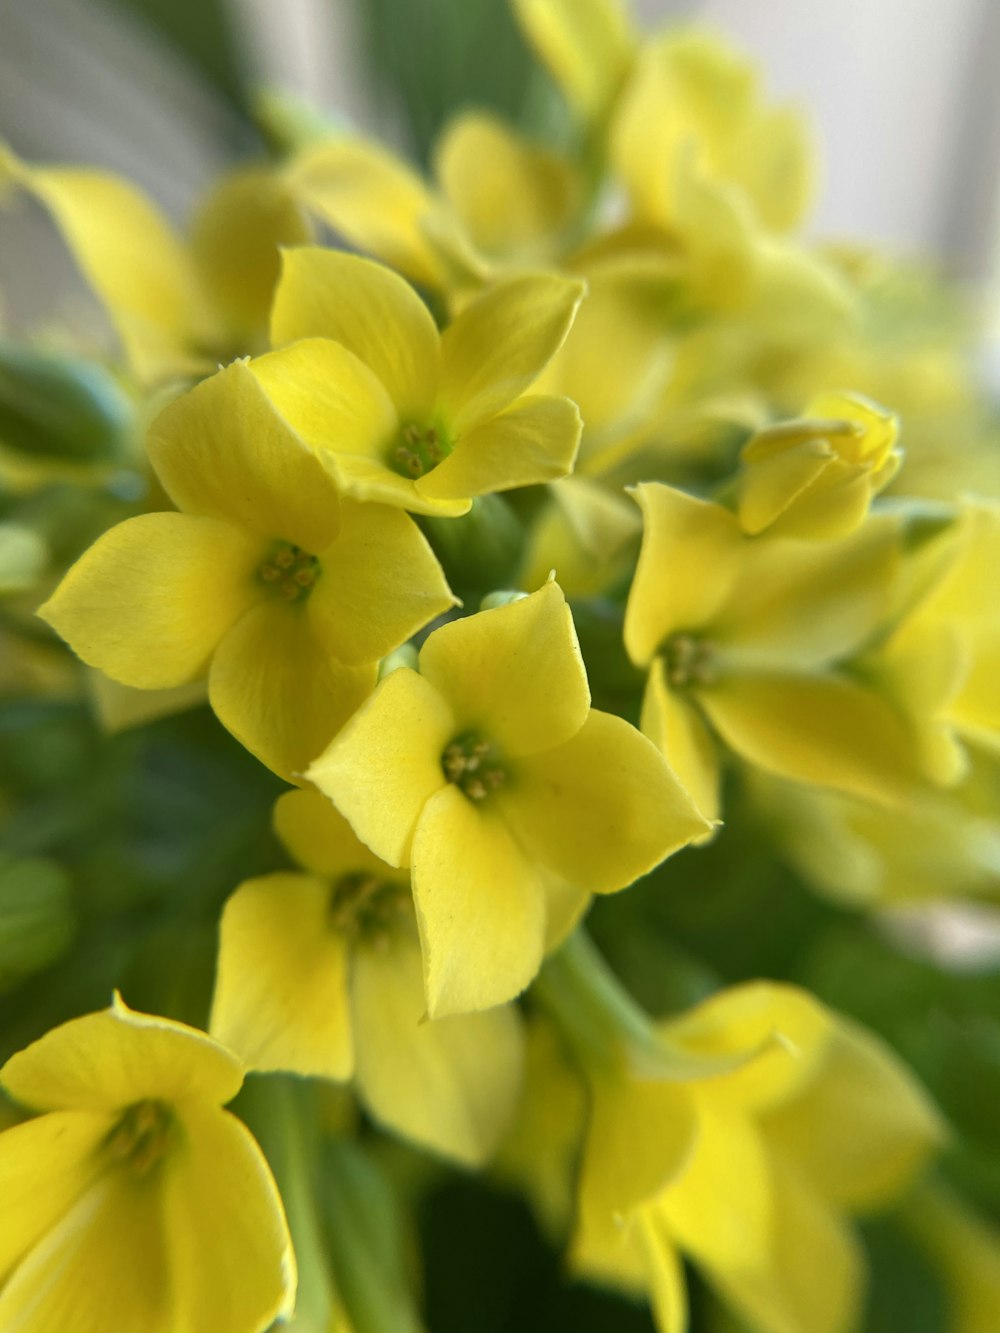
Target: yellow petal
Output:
[
  {"x": 367, "y": 308},
  {"x": 222, "y": 450},
  {"x": 371, "y": 480},
  {"x": 381, "y": 583},
  {"x": 862, "y": 1126},
  {"x": 235, "y": 240},
  {"x": 719, "y": 1205},
  {"x": 386, "y": 764},
  {"x": 786, "y": 1029},
  {"x": 770, "y": 484},
  {"x": 665, "y": 1272},
  {"x": 329, "y": 397},
  {"x": 281, "y": 982},
  {"x": 601, "y": 809},
  {"x": 276, "y": 688},
  {"x": 45, "y": 1166},
  {"x": 101, "y": 1266},
  {"x": 450, "y": 1085},
  {"x": 120, "y": 707},
  {"x": 373, "y": 199},
  {"x": 803, "y": 604},
  {"x": 515, "y": 673},
  {"x": 532, "y": 442},
  {"x": 680, "y": 534},
  {"x": 149, "y": 602},
  {"x": 815, "y": 1280},
  {"x": 135, "y": 262},
  {"x": 641, "y": 1133},
  {"x": 480, "y": 906},
  {"x": 318, "y": 837},
  {"x": 230, "y": 1256},
  {"x": 110, "y": 1059},
  {"x": 825, "y": 730},
  {"x": 501, "y": 342},
  {"x": 675, "y": 727},
  {"x": 513, "y": 198},
  {"x": 565, "y": 905},
  {"x": 587, "y": 46}
]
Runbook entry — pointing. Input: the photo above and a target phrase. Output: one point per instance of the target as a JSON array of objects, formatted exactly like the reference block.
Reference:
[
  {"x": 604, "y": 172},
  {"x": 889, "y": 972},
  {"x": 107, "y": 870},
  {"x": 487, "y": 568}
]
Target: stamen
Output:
[
  {"x": 418, "y": 450},
  {"x": 363, "y": 904},
  {"x": 142, "y": 1136},
  {"x": 474, "y": 765},
  {"x": 689, "y": 661},
  {"x": 291, "y": 571}
]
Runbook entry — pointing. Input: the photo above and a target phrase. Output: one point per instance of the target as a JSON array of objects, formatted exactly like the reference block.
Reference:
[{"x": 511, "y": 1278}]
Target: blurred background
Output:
[{"x": 903, "y": 96}]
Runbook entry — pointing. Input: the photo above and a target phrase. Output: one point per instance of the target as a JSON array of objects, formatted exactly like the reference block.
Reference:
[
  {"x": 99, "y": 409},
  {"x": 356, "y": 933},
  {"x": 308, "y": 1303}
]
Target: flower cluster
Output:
[{"x": 551, "y": 523}]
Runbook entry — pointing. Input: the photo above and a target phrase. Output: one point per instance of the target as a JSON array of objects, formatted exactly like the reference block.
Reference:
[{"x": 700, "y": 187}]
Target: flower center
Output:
[
  {"x": 142, "y": 1137},
  {"x": 290, "y": 571},
  {"x": 417, "y": 450},
  {"x": 474, "y": 765},
  {"x": 362, "y": 904},
  {"x": 688, "y": 661}
]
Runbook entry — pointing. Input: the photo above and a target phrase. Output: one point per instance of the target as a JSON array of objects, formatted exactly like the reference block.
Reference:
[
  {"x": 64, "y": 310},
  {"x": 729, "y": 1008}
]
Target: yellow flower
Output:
[
  {"x": 940, "y": 844},
  {"x": 942, "y": 662},
  {"x": 320, "y": 974},
  {"x": 815, "y": 477},
  {"x": 136, "y": 1202},
  {"x": 178, "y": 305},
  {"x": 773, "y": 1156},
  {"x": 403, "y": 415},
  {"x": 749, "y": 636},
  {"x": 485, "y": 771},
  {"x": 266, "y": 583},
  {"x": 588, "y": 46}
]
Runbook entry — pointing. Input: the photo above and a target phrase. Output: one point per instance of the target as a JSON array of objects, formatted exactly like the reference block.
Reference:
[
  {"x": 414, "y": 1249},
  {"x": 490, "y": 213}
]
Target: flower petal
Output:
[
  {"x": 480, "y": 907},
  {"x": 690, "y": 558},
  {"x": 368, "y": 308},
  {"x": 102, "y": 1266},
  {"x": 451, "y": 1085},
  {"x": 45, "y": 1166},
  {"x": 148, "y": 603},
  {"x": 719, "y": 1204},
  {"x": 386, "y": 763},
  {"x": 675, "y": 727},
  {"x": 223, "y": 450},
  {"x": 665, "y": 1271},
  {"x": 804, "y": 604},
  {"x": 587, "y": 46},
  {"x": 135, "y": 262},
  {"x": 371, "y": 198},
  {"x": 533, "y": 441},
  {"x": 317, "y": 836},
  {"x": 601, "y": 809},
  {"x": 230, "y": 1257},
  {"x": 862, "y": 1127},
  {"x": 824, "y": 730},
  {"x": 815, "y": 1278},
  {"x": 515, "y": 672},
  {"x": 110, "y": 1059},
  {"x": 281, "y": 983},
  {"x": 501, "y": 342},
  {"x": 276, "y": 688},
  {"x": 329, "y": 397},
  {"x": 381, "y": 582},
  {"x": 513, "y": 197}
]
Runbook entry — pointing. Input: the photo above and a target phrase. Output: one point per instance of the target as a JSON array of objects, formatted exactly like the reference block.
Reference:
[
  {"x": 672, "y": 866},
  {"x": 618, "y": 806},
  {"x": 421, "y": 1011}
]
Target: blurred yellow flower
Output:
[{"x": 320, "y": 974}]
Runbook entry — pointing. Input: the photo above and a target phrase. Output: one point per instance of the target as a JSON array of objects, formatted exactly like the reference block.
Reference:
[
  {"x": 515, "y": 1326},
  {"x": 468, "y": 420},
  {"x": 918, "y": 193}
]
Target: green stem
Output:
[
  {"x": 592, "y": 1008},
  {"x": 282, "y": 1114},
  {"x": 366, "y": 1244}
]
